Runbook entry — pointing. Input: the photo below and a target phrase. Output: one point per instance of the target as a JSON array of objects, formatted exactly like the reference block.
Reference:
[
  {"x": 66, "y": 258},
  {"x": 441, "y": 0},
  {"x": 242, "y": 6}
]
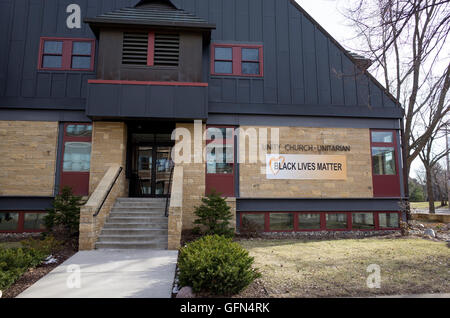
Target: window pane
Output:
[
  {"x": 250, "y": 55},
  {"x": 253, "y": 222},
  {"x": 223, "y": 67},
  {"x": 363, "y": 221},
  {"x": 81, "y": 48},
  {"x": 250, "y": 68},
  {"x": 382, "y": 136},
  {"x": 77, "y": 157},
  {"x": 223, "y": 53},
  {"x": 219, "y": 134},
  {"x": 336, "y": 221},
  {"x": 383, "y": 161},
  {"x": 52, "y": 61},
  {"x": 281, "y": 222},
  {"x": 34, "y": 221},
  {"x": 9, "y": 221},
  {"x": 308, "y": 221},
  {"x": 389, "y": 220},
  {"x": 81, "y": 62},
  {"x": 79, "y": 130},
  {"x": 53, "y": 47},
  {"x": 220, "y": 159}
]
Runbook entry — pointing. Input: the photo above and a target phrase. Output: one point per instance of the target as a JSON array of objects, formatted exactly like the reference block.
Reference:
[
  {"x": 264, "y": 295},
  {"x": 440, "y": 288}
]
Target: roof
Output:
[{"x": 152, "y": 14}]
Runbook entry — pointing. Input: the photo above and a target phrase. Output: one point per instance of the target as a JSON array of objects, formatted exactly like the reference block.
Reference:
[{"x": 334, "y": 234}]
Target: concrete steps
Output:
[{"x": 135, "y": 223}]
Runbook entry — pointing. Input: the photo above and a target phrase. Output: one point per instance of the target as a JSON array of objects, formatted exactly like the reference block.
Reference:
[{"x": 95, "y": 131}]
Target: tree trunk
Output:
[{"x": 430, "y": 190}]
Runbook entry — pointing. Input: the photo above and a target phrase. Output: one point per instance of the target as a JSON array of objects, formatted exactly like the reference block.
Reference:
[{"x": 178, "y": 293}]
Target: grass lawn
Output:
[
  {"x": 424, "y": 205},
  {"x": 338, "y": 268}
]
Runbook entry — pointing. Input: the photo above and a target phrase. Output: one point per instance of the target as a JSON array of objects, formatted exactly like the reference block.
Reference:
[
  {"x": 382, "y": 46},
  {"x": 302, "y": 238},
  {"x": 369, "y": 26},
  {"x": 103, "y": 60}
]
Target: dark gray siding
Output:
[
  {"x": 306, "y": 72},
  {"x": 22, "y": 23},
  {"x": 143, "y": 101}
]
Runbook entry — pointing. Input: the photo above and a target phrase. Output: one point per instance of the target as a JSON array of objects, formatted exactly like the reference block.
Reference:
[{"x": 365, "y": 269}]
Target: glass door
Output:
[
  {"x": 145, "y": 170},
  {"x": 163, "y": 170}
]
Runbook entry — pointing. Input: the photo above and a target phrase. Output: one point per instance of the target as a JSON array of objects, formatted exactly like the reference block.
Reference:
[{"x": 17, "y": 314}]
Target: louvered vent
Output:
[
  {"x": 167, "y": 49},
  {"x": 135, "y": 48}
]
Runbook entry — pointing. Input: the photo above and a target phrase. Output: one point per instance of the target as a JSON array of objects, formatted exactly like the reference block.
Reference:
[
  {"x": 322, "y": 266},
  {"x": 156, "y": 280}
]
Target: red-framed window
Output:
[
  {"x": 237, "y": 60},
  {"x": 385, "y": 169},
  {"x": 76, "y": 160},
  {"x": 22, "y": 221},
  {"x": 220, "y": 163},
  {"x": 66, "y": 54},
  {"x": 319, "y": 221}
]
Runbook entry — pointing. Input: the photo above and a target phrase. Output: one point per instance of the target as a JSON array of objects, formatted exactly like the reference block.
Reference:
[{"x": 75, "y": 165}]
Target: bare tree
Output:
[
  {"x": 408, "y": 42},
  {"x": 433, "y": 170}
]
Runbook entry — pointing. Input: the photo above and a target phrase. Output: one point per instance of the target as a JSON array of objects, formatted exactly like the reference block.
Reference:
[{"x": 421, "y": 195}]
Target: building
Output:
[{"x": 91, "y": 92}]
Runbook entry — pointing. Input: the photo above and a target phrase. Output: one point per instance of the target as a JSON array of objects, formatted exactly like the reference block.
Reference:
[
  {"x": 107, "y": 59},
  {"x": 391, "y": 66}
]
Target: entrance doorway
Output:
[{"x": 150, "y": 164}]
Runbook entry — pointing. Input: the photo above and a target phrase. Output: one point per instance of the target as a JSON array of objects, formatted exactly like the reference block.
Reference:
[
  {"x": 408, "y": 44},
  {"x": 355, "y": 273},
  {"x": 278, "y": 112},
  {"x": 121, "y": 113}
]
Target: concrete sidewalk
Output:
[{"x": 110, "y": 274}]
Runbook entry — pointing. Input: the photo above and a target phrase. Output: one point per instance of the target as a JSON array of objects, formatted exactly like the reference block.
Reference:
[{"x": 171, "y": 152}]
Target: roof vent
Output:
[
  {"x": 135, "y": 48},
  {"x": 167, "y": 49}
]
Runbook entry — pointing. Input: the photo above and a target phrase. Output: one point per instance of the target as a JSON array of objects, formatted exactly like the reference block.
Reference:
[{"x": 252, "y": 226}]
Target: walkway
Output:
[{"x": 110, "y": 274}]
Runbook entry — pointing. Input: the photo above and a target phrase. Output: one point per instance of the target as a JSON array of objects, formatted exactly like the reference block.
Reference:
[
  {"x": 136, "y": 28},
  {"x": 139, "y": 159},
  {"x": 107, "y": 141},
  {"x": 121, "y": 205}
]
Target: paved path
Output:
[
  {"x": 444, "y": 210},
  {"x": 110, "y": 274}
]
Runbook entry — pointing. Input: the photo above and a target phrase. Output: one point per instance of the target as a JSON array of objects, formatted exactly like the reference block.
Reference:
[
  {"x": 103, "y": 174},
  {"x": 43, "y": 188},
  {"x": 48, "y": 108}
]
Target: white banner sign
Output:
[{"x": 306, "y": 167}]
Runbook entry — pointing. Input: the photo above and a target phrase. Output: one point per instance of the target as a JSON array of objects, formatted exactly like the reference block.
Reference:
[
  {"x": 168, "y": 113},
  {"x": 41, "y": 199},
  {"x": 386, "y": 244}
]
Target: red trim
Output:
[
  {"x": 21, "y": 222},
  {"x": 120, "y": 82},
  {"x": 151, "y": 49},
  {"x": 237, "y": 59},
  {"x": 323, "y": 221},
  {"x": 66, "y": 63}
]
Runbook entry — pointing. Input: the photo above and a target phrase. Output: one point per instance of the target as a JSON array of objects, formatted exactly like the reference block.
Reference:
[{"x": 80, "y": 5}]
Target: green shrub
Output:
[
  {"x": 65, "y": 215},
  {"x": 14, "y": 262},
  {"x": 215, "y": 216},
  {"x": 216, "y": 265},
  {"x": 48, "y": 245}
]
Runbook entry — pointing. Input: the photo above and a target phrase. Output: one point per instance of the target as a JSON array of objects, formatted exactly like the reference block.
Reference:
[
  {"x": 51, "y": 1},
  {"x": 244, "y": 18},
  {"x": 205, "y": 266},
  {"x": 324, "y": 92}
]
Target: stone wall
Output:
[
  {"x": 109, "y": 147},
  {"x": 28, "y": 158},
  {"x": 193, "y": 182},
  {"x": 254, "y": 184}
]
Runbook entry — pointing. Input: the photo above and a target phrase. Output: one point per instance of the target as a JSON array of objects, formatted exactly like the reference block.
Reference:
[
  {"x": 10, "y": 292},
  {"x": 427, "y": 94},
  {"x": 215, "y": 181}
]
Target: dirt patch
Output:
[{"x": 35, "y": 274}]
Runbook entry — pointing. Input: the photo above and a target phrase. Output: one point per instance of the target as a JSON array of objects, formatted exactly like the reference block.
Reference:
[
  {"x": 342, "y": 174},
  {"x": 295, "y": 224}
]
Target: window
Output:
[
  {"x": 253, "y": 222},
  {"x": 22, "y": 221},
  {"x": 237, "y": 60},
  {"x": 9, "y": 221},
  {"x": 62, "y": 54},
  {"x": 383, "y": 153},
  {"x": 281, "y": 221},
  {"x": 220, "y": 152},
  {"x": 76, "y": 161},
  {"x": 363, "y": 221},
  {"x": 389, "y": 220},
  {"x": 309, "y": 221},
  {"x": 336, "y": 221}
]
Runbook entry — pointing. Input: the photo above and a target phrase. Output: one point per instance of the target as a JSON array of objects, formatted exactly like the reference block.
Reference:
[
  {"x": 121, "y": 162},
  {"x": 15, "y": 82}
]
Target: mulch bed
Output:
[{"x": 35, "y": 274}]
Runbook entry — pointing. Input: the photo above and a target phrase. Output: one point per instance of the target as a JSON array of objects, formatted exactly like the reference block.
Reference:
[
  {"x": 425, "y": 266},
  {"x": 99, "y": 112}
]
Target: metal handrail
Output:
[
  {"x": 169, "y": 190},
  {"x": 109, "y": 192}
]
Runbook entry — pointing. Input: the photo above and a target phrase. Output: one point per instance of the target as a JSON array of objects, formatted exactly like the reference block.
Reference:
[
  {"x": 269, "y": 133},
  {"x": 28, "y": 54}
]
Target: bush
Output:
[
  {"x": 14, "y": 262},
  {"x": 215, "y": 216},
  {"x": 216, "y": 265},
  {"x": 48, "y": 245},
  {"x": 64, "y": 218}
]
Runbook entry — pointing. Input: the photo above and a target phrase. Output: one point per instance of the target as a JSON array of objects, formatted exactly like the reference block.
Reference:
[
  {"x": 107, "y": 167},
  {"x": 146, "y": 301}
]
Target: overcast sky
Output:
[{"x": 328, "y": 13}]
